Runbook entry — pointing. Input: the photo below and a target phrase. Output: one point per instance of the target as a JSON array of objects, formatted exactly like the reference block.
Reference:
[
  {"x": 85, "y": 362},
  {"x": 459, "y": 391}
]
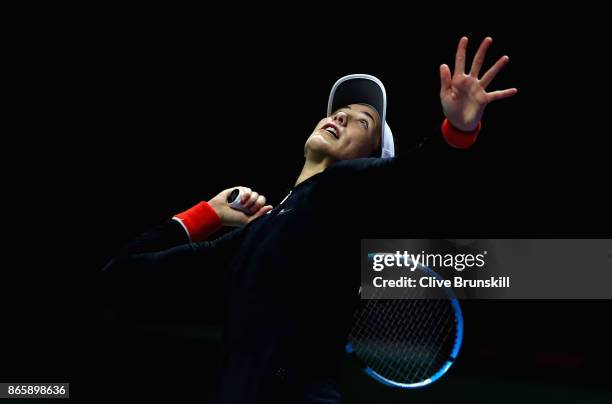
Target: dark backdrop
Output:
[{"x": 145, "y": 112}]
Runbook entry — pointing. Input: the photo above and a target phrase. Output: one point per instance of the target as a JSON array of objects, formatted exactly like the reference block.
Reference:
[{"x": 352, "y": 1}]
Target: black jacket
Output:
[{"x": 291, "y": 277}]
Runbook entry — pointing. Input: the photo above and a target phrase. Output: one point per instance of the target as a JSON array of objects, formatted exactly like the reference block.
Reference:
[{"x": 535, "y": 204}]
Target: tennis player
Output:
[{"x": 290, "y": 272}]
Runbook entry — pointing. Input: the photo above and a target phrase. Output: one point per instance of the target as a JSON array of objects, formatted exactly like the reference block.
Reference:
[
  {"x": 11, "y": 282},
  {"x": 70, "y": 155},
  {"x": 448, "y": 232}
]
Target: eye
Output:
[{"x": 364, "y": 123}]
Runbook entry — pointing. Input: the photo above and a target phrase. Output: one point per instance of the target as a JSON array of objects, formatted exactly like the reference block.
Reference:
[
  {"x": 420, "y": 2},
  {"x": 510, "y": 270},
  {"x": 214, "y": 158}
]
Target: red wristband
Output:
[
  {"x": 457, "y": 138},
  {"x": 200, "y": 221}
]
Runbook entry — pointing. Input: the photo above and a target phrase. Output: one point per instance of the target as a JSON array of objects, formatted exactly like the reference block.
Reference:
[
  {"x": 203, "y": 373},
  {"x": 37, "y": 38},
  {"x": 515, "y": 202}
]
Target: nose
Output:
[{"x": 340, "y": 118}]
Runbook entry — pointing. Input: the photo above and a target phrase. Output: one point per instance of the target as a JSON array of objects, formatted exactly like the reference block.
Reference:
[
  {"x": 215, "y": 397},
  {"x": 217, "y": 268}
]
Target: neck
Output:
[{"x": 312, "y": 166}]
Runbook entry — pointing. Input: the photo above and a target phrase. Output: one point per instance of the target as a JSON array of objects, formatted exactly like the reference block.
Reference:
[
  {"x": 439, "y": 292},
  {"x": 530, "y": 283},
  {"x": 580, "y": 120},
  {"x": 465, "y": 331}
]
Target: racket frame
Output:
[{"x": 453, "y": 356}]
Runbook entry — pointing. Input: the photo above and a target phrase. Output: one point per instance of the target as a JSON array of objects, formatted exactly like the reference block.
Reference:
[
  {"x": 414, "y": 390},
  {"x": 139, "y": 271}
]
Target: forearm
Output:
[
  {"x": 147, "y": 253},
  {"x": 136, "y": 271},
  {"x": 443, "y": 145}
]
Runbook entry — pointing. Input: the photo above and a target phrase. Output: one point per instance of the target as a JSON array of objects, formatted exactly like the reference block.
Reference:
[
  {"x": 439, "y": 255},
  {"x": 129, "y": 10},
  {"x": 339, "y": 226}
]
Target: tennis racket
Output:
[{"x": 409, "y": 342}]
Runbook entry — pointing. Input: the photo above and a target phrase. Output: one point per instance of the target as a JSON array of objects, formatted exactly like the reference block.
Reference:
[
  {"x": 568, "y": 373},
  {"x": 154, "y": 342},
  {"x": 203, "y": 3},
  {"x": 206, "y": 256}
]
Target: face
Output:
[{"x": 350, "y": 132}]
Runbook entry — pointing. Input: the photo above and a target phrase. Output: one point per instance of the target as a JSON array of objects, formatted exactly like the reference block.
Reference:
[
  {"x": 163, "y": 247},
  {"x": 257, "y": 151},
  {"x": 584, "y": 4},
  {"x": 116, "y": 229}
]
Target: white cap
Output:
[{"x": 363, "y": 89}]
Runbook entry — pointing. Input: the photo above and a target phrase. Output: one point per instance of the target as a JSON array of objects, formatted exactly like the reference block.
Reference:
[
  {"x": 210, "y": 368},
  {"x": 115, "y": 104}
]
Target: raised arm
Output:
[
  {"x": 427, "y": 174},
  {"x": 463, "y": 98}
]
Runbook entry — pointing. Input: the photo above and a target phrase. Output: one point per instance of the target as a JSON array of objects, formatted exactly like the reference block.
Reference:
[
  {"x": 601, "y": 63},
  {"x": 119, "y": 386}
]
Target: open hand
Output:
[{"x": 464, "y": 96}]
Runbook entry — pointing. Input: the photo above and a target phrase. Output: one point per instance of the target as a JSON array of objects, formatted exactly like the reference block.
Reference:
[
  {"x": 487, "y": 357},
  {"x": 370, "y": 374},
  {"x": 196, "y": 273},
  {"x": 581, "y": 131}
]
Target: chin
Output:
[{"x": 317, "y": 144}]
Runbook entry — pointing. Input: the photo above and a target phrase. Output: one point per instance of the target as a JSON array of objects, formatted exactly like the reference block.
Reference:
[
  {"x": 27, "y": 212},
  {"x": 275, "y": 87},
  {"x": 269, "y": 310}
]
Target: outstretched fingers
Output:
[
  {"x": 446, "y": 81},
  {"x": 501, "y": 94},
  {"x": 460, "y": 57},
  {"x": 492, "y": 72},
  {"x": 480, "y": 56}
]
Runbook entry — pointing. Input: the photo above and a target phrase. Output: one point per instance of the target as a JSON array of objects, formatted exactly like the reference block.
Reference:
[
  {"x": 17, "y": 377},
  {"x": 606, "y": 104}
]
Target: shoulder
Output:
[
  {"x": 361, "y": 165},
  {"x": 357, "y": 173}
]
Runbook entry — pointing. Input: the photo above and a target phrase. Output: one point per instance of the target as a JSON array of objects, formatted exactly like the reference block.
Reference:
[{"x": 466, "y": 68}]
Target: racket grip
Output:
[{"x": 233, "y": 199}]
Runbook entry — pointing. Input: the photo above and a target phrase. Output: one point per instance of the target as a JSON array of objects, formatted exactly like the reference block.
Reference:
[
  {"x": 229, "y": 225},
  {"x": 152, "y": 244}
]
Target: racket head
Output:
[{"x": 411, "y": 342}]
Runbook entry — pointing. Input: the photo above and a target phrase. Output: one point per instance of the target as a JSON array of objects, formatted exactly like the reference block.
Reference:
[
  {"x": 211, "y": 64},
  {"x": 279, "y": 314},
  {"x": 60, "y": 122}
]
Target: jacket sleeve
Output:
[
  {"x": 162, "y": 264},
  {"x": 442, "y": 144},
  {"x": 415, "y": 193},
  {"x": 442, "y": 148},
  {"x": 177, "y": 246},
  {"x": 165, "y": 251}
]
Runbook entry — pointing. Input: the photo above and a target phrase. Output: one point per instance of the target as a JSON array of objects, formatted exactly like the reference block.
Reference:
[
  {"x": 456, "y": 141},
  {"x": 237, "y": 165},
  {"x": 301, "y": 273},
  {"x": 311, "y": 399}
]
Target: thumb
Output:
[
  {"x": 261, "y": 212},
  {"x": 445, "y": 78}
]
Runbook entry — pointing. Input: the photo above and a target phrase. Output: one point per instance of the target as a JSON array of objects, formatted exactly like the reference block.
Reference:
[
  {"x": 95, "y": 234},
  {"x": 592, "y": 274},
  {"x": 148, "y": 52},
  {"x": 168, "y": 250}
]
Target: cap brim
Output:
[{"x": 358, "y": 89}]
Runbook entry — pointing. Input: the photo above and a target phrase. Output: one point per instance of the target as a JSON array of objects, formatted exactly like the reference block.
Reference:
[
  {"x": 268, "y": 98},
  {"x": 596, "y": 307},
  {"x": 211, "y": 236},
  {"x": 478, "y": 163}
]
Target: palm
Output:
[{"x": 464, "y": 96}]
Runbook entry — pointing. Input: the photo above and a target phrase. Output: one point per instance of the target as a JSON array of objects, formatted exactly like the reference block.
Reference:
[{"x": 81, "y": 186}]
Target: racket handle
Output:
[{"x": 233, "y": 199}]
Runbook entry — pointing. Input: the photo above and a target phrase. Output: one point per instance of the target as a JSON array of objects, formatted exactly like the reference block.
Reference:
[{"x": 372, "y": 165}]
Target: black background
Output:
[{"x": 130, "y": 116}]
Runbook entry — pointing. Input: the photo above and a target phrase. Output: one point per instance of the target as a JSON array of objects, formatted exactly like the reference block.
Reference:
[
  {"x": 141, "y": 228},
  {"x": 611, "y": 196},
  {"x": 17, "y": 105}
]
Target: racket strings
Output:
[{"x": 405, "y": 340}]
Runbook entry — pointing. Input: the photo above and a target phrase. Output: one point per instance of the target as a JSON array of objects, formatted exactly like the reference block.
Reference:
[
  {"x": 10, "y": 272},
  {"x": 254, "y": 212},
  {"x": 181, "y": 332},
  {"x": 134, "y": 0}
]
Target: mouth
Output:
[{"x": 331, "y": 129}]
